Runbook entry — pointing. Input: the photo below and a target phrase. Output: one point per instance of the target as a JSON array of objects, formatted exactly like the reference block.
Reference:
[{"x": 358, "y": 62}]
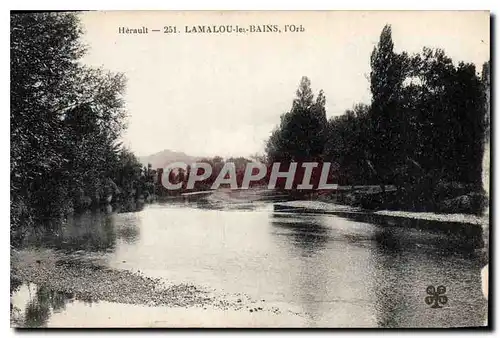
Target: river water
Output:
[{"x": 321, "y": 270}]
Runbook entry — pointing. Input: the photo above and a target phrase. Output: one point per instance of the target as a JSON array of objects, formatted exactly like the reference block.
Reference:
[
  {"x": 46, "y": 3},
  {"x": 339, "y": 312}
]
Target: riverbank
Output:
[
  {"x": 464, "y": 231},
  {"x": 443, "y": 197},
  {"x": 97, "y": 271},
  {"x": 328, "y": 207},
  {"x": 90, "y": 282}
]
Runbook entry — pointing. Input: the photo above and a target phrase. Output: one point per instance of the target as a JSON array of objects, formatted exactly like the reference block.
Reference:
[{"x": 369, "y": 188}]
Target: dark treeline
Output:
[
  {"x": 423, "y": 132},
  {"x": 66, "y": 119}
]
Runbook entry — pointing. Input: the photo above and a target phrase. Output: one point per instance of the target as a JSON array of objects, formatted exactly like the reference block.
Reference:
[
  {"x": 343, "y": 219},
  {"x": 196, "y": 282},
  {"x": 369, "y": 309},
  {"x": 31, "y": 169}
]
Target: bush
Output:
[{"x": 473, "y": 203}]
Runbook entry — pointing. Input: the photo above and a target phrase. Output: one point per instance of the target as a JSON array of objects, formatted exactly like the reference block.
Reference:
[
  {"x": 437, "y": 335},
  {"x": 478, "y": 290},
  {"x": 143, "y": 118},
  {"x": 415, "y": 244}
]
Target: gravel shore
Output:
[{"x": 88, "y": 280}]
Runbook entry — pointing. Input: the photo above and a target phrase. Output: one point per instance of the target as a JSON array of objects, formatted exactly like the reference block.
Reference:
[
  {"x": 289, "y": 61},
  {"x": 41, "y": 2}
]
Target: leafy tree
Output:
[
  {"x": 423, "y": 132},
  {"x": 301, "y": 135},
  {"x": 447, "y": 107},
  {"x": 44, "y": 47},
  {"x": 66, "y": 119},
  {"x": 386, "y": 80},
  {"x": 128, "y": 174},
  {"x": 347, "y": 145}
]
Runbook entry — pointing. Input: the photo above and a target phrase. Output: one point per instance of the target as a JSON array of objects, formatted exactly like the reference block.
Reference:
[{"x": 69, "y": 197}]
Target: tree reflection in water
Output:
[
  {"x": 309, "y": 238},
  {"x": 42, "y": 304},
  {"x": 308, "y": 233},
  {"x": 90, "y": 231},
  {"x": 377, "y": 269},
  {"x": 388, "y": 278},
  {"x": 406, "y": 262}
]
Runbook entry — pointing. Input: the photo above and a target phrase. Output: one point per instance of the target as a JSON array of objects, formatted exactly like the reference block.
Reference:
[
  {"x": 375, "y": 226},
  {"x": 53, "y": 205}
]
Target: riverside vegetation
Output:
[
  {"x": 423, "y": 134},
  {"x": 418, "y": 146},
  {"x": 66, "y": 120},
  {"x": 421, "y": 140}
]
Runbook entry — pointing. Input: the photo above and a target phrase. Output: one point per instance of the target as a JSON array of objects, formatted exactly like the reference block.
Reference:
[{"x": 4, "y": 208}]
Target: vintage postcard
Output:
[{"x": 249, "y": 169}]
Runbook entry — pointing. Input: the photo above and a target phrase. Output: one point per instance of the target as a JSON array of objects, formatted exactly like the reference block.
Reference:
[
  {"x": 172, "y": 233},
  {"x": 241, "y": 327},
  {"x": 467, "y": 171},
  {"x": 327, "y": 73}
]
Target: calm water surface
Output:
[{"x": 334, "y": 271}]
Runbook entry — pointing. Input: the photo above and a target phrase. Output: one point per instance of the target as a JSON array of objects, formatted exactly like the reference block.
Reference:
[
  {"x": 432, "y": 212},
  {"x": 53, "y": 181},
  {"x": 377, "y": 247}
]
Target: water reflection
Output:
[
  {"x": 403, "y": 270},
  {"x": 389, "y": 278},
  {"x": 308, "y": 233},
  {"x": 381, "y": 269},
  {"x": 309, "y": 236},
  {"x": 357, "y": 270},
  {"x": 329, "y": 278},
  {"x": 127, "y": 227},
  {"x": 462, "y": 235},
  {"x": 40, "y": 303},
  {"x": 90, "y": 231}
]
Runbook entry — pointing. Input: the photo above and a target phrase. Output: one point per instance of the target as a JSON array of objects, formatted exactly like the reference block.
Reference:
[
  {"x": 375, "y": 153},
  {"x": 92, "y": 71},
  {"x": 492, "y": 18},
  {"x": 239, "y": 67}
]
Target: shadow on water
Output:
[
  {"x": 402, "y": 273},
  {"x": 462, "y": 236},
  {"x": 309, "y": 233},
  {"x": 127, "y": 227},
  {"x": 389, "y": 277},
  {"x": 90, "y": 231},
  {"x": 345, "y": 269},
  {"x": 40, "y": 303},
  {"x": 403, "y": 257},
  {"x": 309, "y": 236}
]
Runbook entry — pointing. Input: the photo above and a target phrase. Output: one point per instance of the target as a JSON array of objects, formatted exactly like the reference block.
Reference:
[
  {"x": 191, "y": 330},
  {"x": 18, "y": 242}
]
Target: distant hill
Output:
[{"x": 164, "y": 157}]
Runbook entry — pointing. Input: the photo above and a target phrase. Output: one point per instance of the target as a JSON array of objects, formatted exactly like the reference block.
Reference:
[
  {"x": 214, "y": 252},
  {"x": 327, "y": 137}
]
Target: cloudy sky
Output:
[{"x": 220, "y": 94}]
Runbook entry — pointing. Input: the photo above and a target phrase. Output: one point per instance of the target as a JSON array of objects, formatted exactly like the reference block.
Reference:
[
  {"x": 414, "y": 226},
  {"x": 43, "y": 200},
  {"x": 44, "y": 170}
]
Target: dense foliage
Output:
[
  {"x": 66, "y": 119},
  {"x": 423, "y": 131},
  {"x": 301, "y": 133}
]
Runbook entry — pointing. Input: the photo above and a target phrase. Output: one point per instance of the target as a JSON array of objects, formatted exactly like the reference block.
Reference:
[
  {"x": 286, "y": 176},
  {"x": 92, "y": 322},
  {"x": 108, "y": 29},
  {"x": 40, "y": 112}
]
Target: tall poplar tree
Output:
[{"x": 386, "y": 80}]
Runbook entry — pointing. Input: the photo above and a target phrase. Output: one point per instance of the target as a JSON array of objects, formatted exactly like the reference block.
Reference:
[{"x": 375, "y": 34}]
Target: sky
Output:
[{"x": 222, "y": 94}]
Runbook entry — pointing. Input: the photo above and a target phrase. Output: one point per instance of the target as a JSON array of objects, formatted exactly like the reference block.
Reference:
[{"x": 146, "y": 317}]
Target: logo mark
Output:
[{"x": 436, "y": 298}]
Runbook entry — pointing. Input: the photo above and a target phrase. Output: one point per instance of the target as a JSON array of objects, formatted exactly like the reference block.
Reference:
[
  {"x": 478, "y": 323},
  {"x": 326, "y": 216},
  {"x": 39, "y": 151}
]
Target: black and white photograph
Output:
[{"x": 250, "y": 169}]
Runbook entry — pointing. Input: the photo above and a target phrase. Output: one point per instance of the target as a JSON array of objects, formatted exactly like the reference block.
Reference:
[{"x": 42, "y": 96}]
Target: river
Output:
[{"x": 320, "y": 270}]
